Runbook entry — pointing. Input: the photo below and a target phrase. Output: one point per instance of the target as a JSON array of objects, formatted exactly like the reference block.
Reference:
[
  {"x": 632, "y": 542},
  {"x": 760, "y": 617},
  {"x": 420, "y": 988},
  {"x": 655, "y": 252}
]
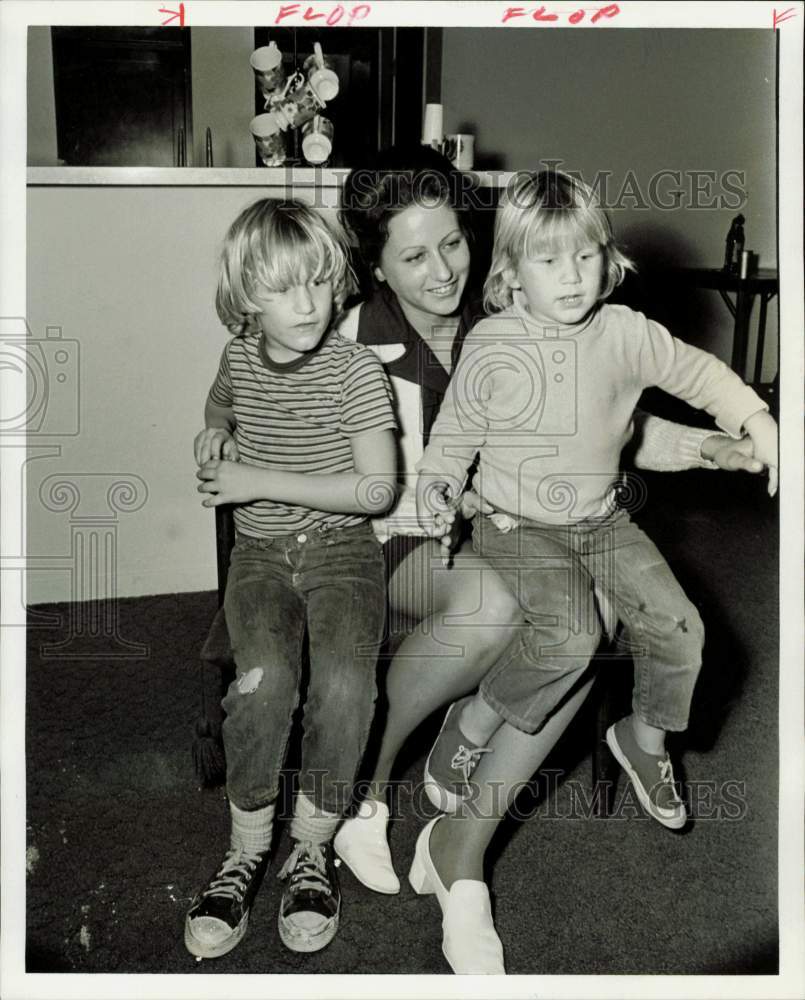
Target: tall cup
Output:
[
  {"x": 268, "y": 69},
  {"x": 269, "y": 139},
  {"x": 432, "y": 129}
]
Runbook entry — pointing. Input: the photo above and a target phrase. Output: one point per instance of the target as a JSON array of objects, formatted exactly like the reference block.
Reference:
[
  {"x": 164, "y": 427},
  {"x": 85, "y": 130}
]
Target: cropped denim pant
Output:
[
  {"x": 331, "y": 584},
  {"x": 555, "y": 572}
]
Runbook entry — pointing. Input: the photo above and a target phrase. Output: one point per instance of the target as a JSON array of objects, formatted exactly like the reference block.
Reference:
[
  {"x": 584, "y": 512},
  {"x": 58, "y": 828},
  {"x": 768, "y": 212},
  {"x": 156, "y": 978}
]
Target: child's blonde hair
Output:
[
  {"x": 273, "y": 245},
  {"x": 542, "y": 212}
]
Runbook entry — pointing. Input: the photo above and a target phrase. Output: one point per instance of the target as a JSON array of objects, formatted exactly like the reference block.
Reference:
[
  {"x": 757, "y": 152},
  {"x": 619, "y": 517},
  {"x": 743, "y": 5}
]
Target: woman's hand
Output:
[
  {"x": 215, "y": 442},
  {"x": 762, "y": 428},
  {"x": 230, "y": 482}
]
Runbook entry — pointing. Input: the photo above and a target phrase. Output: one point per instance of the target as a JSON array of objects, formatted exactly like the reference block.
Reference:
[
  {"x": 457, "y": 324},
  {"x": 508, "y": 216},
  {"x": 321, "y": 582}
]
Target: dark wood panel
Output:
[{"x": 121, "y": 95}]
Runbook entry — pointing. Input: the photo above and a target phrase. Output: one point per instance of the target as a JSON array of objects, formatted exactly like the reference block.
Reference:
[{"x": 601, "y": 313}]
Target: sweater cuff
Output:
[
  {"x": 690, "y": 448},
  {"x": 742, "y": 404}
]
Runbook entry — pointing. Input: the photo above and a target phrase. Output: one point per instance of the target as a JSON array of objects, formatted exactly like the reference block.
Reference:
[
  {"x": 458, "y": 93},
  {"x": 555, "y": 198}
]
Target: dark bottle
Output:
[{"x": 735, "y": 245}]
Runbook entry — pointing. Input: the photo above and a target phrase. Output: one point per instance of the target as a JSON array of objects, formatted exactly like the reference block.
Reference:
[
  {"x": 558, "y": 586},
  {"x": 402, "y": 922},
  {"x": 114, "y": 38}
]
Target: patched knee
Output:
[{"x": 249, "y": 681}]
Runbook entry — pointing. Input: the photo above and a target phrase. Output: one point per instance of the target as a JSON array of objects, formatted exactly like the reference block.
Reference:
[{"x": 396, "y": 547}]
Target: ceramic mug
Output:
[
  {"x": 268, "y": 69},
  {"x": 317, "y": 140},
  {"x": 320, "y": 75},
  {"x": 297, "y": 104},
  {"x": 459, "y": 150},
  {"x": 269, "y": 139}
]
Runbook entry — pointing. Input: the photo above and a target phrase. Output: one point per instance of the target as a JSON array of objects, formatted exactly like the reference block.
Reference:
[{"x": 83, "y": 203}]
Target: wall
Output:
[
  {"x": 223, "y": 94},
  {"x": 129, "y": 273},
  {"x": 640, "y": 100}
]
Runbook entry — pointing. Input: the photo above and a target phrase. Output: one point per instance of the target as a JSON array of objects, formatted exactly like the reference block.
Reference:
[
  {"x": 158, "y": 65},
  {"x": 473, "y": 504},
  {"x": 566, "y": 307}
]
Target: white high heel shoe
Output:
[
  {"x": 362, "y": 845},
  {"x": 469, "y": 943}
]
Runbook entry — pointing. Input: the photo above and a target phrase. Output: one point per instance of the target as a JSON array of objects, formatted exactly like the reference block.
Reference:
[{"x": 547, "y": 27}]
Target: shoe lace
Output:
[
  {"x": 465, "y": 759},
  {"x": 306, "y": 868},
  {"x": 667, "y": 775},
  {"x": 666, "y": 770},
  {"x": 234, "y": 875}
]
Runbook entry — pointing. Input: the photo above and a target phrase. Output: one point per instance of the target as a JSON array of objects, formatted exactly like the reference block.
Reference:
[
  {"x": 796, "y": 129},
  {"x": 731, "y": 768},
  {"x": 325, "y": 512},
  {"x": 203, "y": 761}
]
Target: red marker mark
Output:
[
  {"x": 785, "y": 15},
  {"x": 540, "y": 15},
  {"x": 331, "y": 15},
  {"x": 609, "y": 11},
  {"x": 544, "y": 15},
  {"x": 174, "y": 14}
]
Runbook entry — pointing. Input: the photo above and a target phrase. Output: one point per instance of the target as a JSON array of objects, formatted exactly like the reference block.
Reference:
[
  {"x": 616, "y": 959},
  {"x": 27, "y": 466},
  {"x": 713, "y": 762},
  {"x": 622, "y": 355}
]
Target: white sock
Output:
[
  {"x": 251, "y": 828},
  {"x": 311, "y": 823}
]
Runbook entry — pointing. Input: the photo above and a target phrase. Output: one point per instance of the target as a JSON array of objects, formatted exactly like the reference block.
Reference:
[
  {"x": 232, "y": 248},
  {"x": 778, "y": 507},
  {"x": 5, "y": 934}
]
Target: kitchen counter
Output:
[{"x": 210, "y": 177}]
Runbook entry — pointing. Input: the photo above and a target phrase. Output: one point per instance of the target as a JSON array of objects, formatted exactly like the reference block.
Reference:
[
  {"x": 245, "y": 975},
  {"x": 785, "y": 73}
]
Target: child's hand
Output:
[
  {"x": 215, "y": 442},
  {"x": 472, "y": 504},
  {"x": 762, "y": 428},
  {"x": 436, "y": 513},
  {"x": 229, "y": 482},
  {"x": 729, "y": 454}
]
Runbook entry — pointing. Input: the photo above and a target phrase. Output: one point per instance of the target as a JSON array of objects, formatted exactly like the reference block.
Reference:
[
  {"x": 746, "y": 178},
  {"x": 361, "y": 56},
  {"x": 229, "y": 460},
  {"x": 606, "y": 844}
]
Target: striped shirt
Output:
[{"x": 299, "y": 417}]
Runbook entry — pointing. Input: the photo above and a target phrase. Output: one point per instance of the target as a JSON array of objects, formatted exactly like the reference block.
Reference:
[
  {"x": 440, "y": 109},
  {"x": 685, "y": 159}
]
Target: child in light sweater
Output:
[{"x": 545, "y": 394}]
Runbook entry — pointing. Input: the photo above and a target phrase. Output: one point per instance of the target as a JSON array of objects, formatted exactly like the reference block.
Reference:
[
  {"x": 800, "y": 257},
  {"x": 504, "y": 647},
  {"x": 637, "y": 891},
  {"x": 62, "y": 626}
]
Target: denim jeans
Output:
[
  {"x": 329, "y": 583},
  {"x": 555, "y": 572}
]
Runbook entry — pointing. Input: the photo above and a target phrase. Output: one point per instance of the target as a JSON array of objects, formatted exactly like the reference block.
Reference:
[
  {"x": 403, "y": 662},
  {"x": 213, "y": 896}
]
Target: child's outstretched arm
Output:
[
  {"x": 708, "y": 384},
  {"x": 217, "y": 439},
  {"x": 370, "y": 489},
  {"x": 666, "y": 446}
]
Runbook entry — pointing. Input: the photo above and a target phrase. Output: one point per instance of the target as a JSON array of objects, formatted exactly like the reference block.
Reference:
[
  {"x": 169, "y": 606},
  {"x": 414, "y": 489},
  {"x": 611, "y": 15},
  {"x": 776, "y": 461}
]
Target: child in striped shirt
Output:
[{"x": 299, "y": 436}]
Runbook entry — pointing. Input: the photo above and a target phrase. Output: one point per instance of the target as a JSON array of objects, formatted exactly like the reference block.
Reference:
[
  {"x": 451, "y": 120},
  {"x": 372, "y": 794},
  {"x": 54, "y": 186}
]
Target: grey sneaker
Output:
[
  {"x": 311, "y": 903},
  {"x": 652, "y": 776},
  {"x": 450, "y": 764}
]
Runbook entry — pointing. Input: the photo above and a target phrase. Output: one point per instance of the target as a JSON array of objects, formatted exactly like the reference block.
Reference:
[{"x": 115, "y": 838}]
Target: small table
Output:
[{"x": 763, "y": 283}]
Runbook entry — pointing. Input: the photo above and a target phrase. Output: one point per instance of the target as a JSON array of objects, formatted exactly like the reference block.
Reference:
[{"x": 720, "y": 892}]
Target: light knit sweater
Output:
[
  {"x": 551, "y": 409},
  {"x": 661, "y": 445}
]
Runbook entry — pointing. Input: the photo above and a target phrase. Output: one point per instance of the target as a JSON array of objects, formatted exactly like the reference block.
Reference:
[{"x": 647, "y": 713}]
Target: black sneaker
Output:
[
  {"x": 219, "y": 915},
  {"x": 311, "y": 903}
]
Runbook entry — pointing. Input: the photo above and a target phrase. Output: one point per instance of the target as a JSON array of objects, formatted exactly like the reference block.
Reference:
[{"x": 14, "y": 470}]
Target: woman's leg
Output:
[
  {"x": 458, "y": 842},
  {"x": 466, "y": 615}
]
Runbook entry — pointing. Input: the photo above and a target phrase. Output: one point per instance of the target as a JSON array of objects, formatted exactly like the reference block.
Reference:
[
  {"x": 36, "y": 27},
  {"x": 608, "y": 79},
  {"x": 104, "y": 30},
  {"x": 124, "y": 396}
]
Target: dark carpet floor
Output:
[{"x": 120, "y": 835}]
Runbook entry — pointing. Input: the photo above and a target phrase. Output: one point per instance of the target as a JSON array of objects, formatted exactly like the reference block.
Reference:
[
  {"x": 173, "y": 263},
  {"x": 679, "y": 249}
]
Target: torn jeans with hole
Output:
[{"x": 329, "y": 584}]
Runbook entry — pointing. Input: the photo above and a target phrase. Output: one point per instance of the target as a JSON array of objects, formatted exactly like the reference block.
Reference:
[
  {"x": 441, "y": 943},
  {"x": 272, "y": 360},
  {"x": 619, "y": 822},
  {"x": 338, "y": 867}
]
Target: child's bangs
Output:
[
  {"x": 555, "y": 230},
  {"x": 296, "y": 253}
]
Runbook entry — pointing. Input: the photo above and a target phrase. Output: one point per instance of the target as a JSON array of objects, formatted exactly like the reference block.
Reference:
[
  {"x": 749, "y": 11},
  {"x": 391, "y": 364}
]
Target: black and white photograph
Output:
[{"x": 402, "y": 499}]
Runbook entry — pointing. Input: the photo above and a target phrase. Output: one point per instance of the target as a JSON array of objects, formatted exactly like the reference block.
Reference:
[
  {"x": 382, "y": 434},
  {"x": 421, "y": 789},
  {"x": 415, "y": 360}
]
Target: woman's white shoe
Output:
[
  {"x": 469, "y": 943},
  {"x": 362, "y": 845}
]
